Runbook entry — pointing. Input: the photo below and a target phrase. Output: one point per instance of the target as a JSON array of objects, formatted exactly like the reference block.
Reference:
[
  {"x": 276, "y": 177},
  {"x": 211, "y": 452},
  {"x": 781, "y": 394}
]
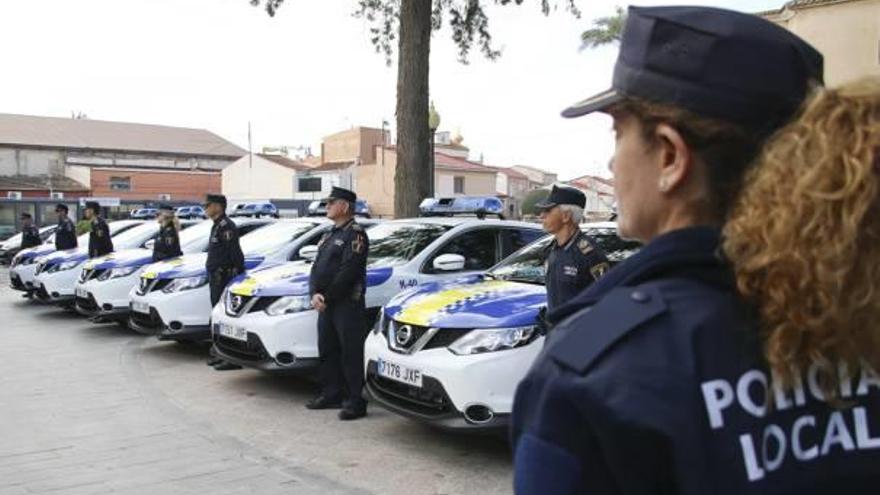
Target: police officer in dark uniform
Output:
[
  {"x": 574, "y": 261},
  {"x": 30, "y": 234},
  {"x": 225, "y": 258},
  {"x": 167, "y": 243},
  {"x": 100, "y": 242},
  {"x": 655, "y": 379},
  {"x": 337, "y": 285},
  {"x": 65, "y": 235}
]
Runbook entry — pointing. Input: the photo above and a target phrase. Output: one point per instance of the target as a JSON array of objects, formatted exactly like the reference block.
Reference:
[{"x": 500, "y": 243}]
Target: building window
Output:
[
  {"x": 309, "y": 184},
  {"x": 458, "y": 185},
  {"x": 120, "y": 183}
]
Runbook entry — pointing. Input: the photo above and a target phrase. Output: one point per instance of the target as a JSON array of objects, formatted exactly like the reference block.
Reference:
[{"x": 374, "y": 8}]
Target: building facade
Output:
[
  {"x": 847, "y": 32},
  {"x": 262, "y": 176}
]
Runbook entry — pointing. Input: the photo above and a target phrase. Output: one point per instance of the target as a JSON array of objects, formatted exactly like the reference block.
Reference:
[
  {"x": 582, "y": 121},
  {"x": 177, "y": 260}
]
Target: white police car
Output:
[
  {"x": 318, "y": 208},
  {"x": 173, "y": 299},
  {"x": 266, "y": 321},
  {"x": 23, "y": 268},
  {"x": 105, "y": 282},
  {"x": 451, "y": 354},
  {"x": 10, "y": 247},
  {"x": 57, "y": 273}
]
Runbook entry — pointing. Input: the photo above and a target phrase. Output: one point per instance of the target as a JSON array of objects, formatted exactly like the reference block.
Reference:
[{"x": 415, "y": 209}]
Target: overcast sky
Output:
[{"x": 308, "y": 72}]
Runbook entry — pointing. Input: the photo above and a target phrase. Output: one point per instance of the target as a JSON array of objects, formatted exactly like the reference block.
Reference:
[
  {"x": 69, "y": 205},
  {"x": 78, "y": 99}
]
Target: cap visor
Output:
[
  {"x": 592, "y": 104},
  {"x": 544, "y": 205}
]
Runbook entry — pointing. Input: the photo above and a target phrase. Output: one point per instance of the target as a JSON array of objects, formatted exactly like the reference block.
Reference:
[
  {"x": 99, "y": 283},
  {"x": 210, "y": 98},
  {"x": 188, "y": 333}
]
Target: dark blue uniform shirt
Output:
[
  {"x": 100, "y": 242},
  {"x": 339, "y": 271},
  {"x": 654, "y": 382},
  {"x": 65, "y": 235},
  {"x": 572, "y": 267}
]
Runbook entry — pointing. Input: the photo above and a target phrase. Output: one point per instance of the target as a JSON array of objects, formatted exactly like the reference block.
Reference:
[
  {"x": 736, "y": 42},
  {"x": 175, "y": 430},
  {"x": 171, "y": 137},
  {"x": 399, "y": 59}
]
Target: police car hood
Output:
[
  {"x": 474, "y": 302},
  {"x": 290, "y": 279},
  {"x": 33, "y": 252},
  {"x": 121, "y": 259},
  {"x": 189, "y": 265},
  {"x": 75, "y": 254}
]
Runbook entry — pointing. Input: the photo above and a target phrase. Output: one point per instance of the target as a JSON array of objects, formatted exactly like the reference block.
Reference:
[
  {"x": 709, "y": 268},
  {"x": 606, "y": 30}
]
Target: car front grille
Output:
[
  {"x": 429, "y": 400},
  {"x": 251, "y": 351},
  {"x": 150, "y": 321},
  {"x": 147, "y": 285},
  {"x": 90, "y": 274},
  {"x": 420, "y": 337},
  {"x": 87, "y": 304},
  {"x": 15, "y": 282},
  {"x": 237, "y": 305}
]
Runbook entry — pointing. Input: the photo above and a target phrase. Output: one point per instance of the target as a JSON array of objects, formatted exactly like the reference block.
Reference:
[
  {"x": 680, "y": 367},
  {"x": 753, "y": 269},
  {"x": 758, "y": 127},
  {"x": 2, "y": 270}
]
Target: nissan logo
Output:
[
  {"x": 236, "y": 303},
  {"x": 403, "y": 334}
]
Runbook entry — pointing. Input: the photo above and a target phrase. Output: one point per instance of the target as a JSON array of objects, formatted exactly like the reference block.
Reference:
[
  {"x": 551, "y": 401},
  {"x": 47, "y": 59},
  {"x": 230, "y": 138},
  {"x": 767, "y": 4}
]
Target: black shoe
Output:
[
  {"x": 226, "y": 366},
  {"x": 352, "y": 413},
  {"x": 212, "y": 361},
  {"x": 322, "y": 402}
]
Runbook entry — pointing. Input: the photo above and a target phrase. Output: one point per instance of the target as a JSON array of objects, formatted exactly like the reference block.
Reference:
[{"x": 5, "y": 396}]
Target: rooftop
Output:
[
  {"x": 87, "y": 134},
  {"x": 285, "y": 162},
  {"x": 40, "y": 183}
]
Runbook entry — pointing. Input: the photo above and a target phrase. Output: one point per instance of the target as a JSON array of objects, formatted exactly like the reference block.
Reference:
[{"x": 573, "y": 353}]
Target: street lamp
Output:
[{"x": 433, "y": 124}]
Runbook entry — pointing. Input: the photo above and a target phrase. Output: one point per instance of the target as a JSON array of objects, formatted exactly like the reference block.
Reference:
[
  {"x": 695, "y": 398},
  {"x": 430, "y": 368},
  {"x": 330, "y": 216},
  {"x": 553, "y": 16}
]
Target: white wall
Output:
[{"x": 264, "y": 179}]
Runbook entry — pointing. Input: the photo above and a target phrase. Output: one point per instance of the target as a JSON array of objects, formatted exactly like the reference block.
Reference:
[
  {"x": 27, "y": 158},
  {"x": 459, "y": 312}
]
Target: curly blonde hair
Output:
[{"x": 804, "y": 237}]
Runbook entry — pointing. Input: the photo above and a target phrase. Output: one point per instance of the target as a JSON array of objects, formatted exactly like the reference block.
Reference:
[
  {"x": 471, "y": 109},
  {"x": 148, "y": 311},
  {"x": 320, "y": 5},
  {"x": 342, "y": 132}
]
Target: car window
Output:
[
  {"x": 526, "y": 265},
  {"x": 615, "y": 248},
  {"x": 512, "y": 240},
  {"x": 479, "y": 248},
  {"x": 395, "y": 243},
  {"x": 246, "y": 229},
  {"x": 312, "y": 240}
]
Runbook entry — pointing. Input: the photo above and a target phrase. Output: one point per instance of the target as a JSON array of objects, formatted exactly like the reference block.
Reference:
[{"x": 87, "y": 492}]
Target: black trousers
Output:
[
  {"x": 342, "y": 330},
  {"x": 217, "y": 281}
]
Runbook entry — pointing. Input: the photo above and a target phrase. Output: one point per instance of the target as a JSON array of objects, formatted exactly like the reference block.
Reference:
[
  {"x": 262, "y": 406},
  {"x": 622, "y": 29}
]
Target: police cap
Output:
[
  {"x": 343, "y": 194},
  {"x": 61, "y": 207},
  {"x": 713, "y": 62},
  {"x": 25, "y": 215},
  {"x": 93, "y": 205},
  {"x": 216, "y": 198},
  {"x": 563, "y": 196}
]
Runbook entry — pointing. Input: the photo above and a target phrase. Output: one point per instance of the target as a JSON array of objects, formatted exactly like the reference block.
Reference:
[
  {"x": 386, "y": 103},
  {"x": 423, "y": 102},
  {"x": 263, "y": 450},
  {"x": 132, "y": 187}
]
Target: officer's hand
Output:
[{"x": 318, "y": 302}]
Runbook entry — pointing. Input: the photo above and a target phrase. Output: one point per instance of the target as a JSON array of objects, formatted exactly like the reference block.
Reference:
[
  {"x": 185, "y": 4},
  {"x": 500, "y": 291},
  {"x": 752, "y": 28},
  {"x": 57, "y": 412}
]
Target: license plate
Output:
[
  {"x": 140, "y": 307},
  {"x": 400, "y": 373},
  {"x": 82, "y": 293},
  {"x": 232, "y": 332}
]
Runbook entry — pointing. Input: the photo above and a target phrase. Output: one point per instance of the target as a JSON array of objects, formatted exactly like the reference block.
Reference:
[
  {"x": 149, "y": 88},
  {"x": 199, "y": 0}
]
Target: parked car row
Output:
[{"x": 453, "y": 303}]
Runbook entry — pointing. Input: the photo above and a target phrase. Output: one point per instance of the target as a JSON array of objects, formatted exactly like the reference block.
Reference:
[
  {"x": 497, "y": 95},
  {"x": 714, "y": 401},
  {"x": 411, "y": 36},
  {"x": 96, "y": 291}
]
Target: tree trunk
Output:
[{"x": 413, "y": 136}]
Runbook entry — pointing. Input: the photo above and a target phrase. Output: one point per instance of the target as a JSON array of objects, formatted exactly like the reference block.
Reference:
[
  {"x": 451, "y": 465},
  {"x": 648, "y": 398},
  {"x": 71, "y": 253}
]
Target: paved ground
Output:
[{"x": 97, "y": 409}]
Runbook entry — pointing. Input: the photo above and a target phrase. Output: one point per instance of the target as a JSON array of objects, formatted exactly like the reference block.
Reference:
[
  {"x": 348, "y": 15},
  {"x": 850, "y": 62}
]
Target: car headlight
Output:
[
  {"x": 289, "y": 304},
  {"x": 118, "y": 272},
  {"x": 62, "y": 267},
  {"x": 186, "y": 283},
  {"x": 482, "y": 340}
]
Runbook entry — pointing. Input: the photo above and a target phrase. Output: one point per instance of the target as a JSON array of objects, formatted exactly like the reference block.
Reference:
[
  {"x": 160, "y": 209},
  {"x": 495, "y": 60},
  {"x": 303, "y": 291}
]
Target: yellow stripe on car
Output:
[
  {"x": 245, "y": 288},
  {"x": 423, "y": 311}
]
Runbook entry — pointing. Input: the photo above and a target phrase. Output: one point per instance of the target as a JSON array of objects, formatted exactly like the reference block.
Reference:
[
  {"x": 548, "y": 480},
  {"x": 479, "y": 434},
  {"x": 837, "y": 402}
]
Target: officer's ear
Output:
[{"x": 674, "y": 157}]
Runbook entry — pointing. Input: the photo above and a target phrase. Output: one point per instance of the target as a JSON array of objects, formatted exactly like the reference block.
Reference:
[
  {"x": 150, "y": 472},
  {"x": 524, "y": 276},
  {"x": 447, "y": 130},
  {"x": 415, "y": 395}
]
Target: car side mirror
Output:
[
  {"x": 309, "y": 252},
  {"x": 150, "y": 244},
  {"x": 449, "y": 263}
]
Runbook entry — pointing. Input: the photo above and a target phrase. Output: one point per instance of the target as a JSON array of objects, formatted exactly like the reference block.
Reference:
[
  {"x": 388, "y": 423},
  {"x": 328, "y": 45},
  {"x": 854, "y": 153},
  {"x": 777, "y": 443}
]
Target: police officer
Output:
[
  {"x": 669, "y": 390},
  {"x": 65, "y": 235},
  {"x": 30, "y": 234},
  {"x": 167, "y": 243},
  {"x": 225, "y": 259},
  {"x": 100, "y": 242},
  {"x": 574, "y": 261},
  {"x": 337, "y": 284}
]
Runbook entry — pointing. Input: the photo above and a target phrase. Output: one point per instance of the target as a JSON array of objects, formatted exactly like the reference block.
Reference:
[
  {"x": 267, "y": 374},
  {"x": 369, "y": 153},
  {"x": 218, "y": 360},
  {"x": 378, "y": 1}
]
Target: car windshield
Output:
[
  {"x": 250, "y": 207},
  {"x": 269, "y": 239},
  {"x": 133, "y": 237},
  {"x": 527, "y": 264},
  {"x": 195, "y": 238},
  {"x": 393, "y": 244},
  {"x": 16, "y": 239}
]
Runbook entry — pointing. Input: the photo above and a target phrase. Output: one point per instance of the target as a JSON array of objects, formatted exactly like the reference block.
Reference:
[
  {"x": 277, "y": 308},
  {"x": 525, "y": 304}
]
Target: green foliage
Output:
[
  {"x": 468, "y": 21},
  {"x": 605, "y": 30},
  {"x": 528, "y": 204}
]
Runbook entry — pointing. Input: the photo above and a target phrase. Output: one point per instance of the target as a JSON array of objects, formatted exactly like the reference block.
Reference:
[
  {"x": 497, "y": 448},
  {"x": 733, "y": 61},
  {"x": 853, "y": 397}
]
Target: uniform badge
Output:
[
  {"x": 571, "y": 271},
  {"x": 99, "y": 233},
  {"x": 338, "y": 242},
  {"x": 599, "y": 270},
  {"x": 357, "y": 245},
  {"x": 228, "y": 234},
  {"x": 585, "y": 246}
]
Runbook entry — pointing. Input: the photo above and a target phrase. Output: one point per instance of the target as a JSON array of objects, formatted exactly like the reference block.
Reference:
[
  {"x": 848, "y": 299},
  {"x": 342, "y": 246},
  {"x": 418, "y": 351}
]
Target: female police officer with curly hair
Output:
[{"x": 656, "y": 379}]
